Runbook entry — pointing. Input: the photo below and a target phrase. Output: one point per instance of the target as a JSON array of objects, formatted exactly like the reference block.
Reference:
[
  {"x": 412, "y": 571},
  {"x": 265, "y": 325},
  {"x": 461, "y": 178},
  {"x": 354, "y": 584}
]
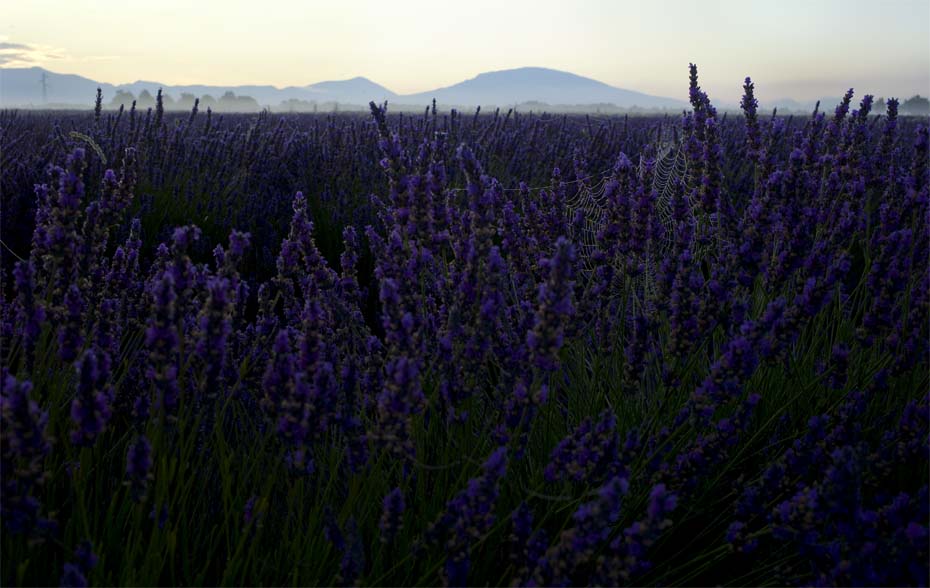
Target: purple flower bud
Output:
[
  {"x": 24, "y": 447},
  {"x": 555, "y": 307},
  {"x": 90, "y": 409},
  {"x": 70, "y": 339},
  {"x": 565, "y": 562},
  {"x": 467, "y": 516},
  {"x": 392, "y": 517},
  {"x": 30, "y": 311},
  {"x": 75, "y": 574},
  {"x": 162, "y": 341},
  {"x": 238, "y": 243},
  {"x": 138, "y": 466}
]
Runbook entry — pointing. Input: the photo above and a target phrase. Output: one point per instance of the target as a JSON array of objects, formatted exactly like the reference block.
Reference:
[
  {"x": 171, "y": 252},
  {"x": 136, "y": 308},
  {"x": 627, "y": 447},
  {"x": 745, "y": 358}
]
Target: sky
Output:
[{"x": 802, "y": 49}]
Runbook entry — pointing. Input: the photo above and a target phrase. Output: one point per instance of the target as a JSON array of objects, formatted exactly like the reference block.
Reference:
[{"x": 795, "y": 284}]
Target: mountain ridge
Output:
[
  {"x": 539, "y": 84},
  {"x": 22, "y": 87}
]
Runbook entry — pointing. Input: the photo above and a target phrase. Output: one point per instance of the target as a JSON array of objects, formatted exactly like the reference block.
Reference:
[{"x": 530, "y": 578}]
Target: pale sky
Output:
[{"x": 802, "y": 49}]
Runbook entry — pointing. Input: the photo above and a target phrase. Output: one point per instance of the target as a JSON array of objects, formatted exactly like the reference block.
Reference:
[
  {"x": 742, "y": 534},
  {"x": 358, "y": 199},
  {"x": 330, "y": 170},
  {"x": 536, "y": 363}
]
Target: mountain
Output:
[
  {"x": 23, "y": 87},
  {"x": 355, "y": 91},
  {"x": 538, "y": 84}
]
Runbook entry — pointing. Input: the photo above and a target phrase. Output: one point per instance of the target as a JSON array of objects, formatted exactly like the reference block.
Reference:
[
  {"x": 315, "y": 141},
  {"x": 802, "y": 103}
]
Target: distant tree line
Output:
[
  {"x": 228, "y": 102},
  {"x": 296, "y": 105},
  {"x": 915, "y": 105}
]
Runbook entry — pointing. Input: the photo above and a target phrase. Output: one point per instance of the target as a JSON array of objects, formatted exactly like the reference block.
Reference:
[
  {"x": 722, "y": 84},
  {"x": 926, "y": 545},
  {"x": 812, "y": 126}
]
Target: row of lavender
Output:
[{"x": 429, "y": 375}]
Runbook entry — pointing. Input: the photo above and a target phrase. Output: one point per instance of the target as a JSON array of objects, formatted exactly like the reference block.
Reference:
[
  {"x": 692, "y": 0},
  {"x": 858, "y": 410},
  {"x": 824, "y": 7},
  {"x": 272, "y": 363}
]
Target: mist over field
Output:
[{"x": 544, "y": 305}]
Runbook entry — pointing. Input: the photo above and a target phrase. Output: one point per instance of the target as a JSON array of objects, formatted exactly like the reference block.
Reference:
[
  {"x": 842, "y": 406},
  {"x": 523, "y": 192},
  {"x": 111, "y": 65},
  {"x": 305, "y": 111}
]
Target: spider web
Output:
[
  {"x": 666, "y": 173},
  {"x": 592, "y": 202}
]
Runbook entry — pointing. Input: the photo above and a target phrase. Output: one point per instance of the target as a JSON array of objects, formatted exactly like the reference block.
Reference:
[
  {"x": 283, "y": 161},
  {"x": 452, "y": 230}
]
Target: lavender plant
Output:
[{"x": 502, "y": 349}]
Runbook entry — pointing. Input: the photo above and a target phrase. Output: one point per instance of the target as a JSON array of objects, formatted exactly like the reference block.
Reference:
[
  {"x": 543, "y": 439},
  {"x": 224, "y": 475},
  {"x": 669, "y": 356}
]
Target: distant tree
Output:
[
  {"x": 227, "y": 102},
  {"x": 145, "y": 100},
  {"x": 208, "y": 101},
  {"x": 915, "y": 105},
  {"x": 295, "y": 105},
  {"x": 168, "y": 102},
  {"x": 247, "y": 104},
  {"x": 879, "y": 106},
  {"x": 122, "y": 98},
  {"x": 185, "y": 102}
]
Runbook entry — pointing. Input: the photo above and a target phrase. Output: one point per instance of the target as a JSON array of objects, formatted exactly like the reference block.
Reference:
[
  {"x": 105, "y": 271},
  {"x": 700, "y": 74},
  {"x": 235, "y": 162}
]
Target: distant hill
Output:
[
  {"x": 355, "y": 91},
  {"x": 23, "y": 87},
  {"x": 537, "y": 84}
]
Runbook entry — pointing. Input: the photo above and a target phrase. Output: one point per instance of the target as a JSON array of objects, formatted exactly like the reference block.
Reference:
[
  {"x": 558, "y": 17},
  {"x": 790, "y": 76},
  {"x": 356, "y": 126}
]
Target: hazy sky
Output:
[{"x": 792, "y": 48}]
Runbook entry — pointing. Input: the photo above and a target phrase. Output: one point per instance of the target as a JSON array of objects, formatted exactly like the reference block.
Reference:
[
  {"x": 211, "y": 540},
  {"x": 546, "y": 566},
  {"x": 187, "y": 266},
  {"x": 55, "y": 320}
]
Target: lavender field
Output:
[{"x": 465, "y": 348}]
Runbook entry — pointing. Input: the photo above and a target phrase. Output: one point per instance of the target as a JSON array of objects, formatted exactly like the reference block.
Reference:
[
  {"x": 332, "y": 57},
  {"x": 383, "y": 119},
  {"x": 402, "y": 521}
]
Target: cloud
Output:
[
  {"x": 32, "y": 54},
  {"x": 26, "y": 55}
]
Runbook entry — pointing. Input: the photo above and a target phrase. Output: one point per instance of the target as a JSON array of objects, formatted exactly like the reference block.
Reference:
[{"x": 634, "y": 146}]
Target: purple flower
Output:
[
  {"x": 57, "y": 240},
  {"x": 661, "y": 502},
  {"x": 399, "y": 400},
  {"x": 75, "y": 573},
  {"x": 839, "y": 366},
  {"x": 138, "y": 466},
  {"x": 467, "y": 517},
  {"x": 737, "y": 539},
  {"x": 278, "y": 381},
  {"x": 554, "y": 307},
  {"x": 30, "y": 311},
  {"x": 90, "y": 409},
  {"x": 302, "y": 270},
  {"x": 238, "y": 244},
  {"x": 24, "y": 447},
  {"x": 160, "y": 516},
  {"x": 588, "y": 454},
  {"x": 162, "y": 340},
  {"x": 70, "y": 339},
  {"x": 214, "y": 331},
  {"x": 734, "y": 366},
  {"x": 749, "y": 104},
  {"x": 248, "y": 510},
  {"x": 73, "y": 577},
  {"x": 348, "y": 261},
  {"x": 628, "y": 552},
  {"x": 566, "y": 562},
  {"x": 526, "y": 544},
  {"x": 348, "y": 541},
  {"x": 392, "y": 517}
]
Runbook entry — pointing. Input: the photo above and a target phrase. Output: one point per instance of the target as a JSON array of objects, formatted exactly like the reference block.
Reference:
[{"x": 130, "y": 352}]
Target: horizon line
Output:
[{"x": 162, "y": 84}]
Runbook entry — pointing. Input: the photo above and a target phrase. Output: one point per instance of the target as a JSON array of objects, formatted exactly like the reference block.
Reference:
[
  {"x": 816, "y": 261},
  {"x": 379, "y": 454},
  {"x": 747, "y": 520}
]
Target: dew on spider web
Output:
[{"x": 666, "y": 172}]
